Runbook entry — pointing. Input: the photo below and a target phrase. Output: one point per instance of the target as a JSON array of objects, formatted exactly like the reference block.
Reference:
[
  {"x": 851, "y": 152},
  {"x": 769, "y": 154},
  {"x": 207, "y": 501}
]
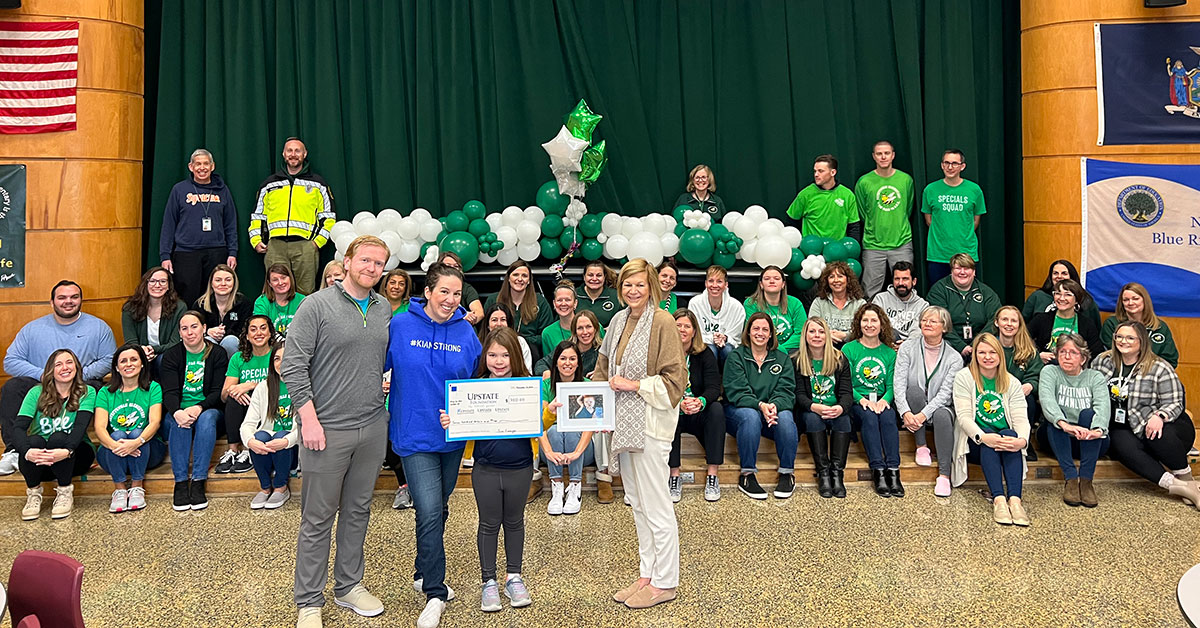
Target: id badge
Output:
[
  {"x": 967, "y": 332},
  {"x": 1119, "y": 416},
  {"x": 206, "y": 224},
  {"x": 874, "y": 397}
]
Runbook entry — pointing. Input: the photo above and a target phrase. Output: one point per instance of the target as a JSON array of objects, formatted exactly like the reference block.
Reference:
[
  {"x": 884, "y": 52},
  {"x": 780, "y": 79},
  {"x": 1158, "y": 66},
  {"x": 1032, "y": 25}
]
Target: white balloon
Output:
[
  {"x": 392, "y": 264},
  {"x": 746, "y": 228},
  {"x": 507, "y": 235},
  {"x": 647, "y": 246},
  {"x": 421, "y": 214},
  {"x": 670, "y": 244},
  {"x": 507, "y": 256},
  {"x": 343, "y": 241},
  {"x": 773, "y": 251},
  {"x": 409, "y": 251},
  {"x": 529, "y": 251},
  {"x": 484, "y": 258},
  {"x": 616, "y": 247},
  {"x": 339, "y": 254},
  {"x": 792, "y": 235},
  {"x": 602, "y": 238},
  {"x": 534, "y": 213},
  {"x": 409, "y": 228},
  {"x": 766, "y": 229},
  {"x": 430, "y": 230},
  {"x": 731, "y": 219},
  {"x": 757, "y": 213},
  {"x": 655, "y": 224},
  {"x": 512, "y": 216},
  {"x": 340, "y": 227},
  {"x": 565, "y": 151},
  {"x": 361, "y": 216},
  {"x": 611, "y": 224},
  {"x": 570, "y": 221},
  {"x": 494, "y": 220},
  {"x": 777, "y": 222},
  {"x": 528, "y": 232},
  {"x": 392, "y": 240},
  {"x": 368, "y": 226},
  {"x": 630, "y": 226},
  {"x": 389, "y": 216},
  {"x": 748, "y": 250}
]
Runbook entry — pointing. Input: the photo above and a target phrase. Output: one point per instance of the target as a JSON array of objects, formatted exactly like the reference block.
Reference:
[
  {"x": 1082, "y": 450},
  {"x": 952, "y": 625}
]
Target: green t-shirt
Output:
[
  {"x": 871, "y": 370},
  {"x": 989, "y": 407},
  {"x": 824, "y": 212},
  {"x": 43, "y": 425},
  {"x": 283, "y": 410},
  {"x": 823, "y": 388},
  {"x": 403, "y": 307},
  {"x": 670, "y": 304},
  {"x": 787, "y": 326},
  {"x": 885, "y": 205},
  {"x": 128, "y": 410},
  {"x": 253, "y": 370},
  {"x": 193, "y": 380},
  {"x": 1062, "y": 326},
  {"x": 551, "y": 336},
  {"x": 953, "y": 211},
  {"x": 280, "y": 316}
]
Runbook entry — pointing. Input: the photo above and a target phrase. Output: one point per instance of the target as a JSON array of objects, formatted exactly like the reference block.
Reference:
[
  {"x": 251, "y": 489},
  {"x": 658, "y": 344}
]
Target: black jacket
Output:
[
  {"x": 174, "y": 364},
  {"x": 1043, "y": 323},
  {"x": 704, "y": 376},
  {"x": 234, "y": 320},
  {"x": 842, "y": 388}
]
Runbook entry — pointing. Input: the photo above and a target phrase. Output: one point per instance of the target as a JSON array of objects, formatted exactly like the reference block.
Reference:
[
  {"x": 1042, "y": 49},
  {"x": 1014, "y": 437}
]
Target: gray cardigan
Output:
[{"x": 910, "y": 371}]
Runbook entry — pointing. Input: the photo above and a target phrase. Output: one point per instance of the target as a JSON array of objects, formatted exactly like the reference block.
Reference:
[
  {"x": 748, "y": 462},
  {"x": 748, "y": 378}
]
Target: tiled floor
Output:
[{"x": 861, "y": 561}]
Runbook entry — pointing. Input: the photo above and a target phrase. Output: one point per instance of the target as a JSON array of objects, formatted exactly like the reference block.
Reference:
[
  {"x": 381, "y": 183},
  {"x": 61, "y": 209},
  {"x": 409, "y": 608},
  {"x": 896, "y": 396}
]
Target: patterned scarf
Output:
[{"x": 629, "y": 432}]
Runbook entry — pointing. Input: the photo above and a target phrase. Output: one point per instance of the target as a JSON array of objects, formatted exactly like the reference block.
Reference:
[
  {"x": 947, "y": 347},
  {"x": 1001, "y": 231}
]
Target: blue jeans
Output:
[
  {"x": 193, "y": 444},
  {"x": 721, "y": 352},
  {"x": 564, "y": 442},
  {"x": 1001, "y": 469},
  {"x": 280, "y": 462},
  {"x": 880, "y": 435},
  {"x": 936, "y": 271},
  {"x": 814, "y": 422},
  {"x": 131, "y": 467},
  {"x": 747, "y": 425},
  {"x": 431, "y": 479},
  {"x": 1066, "y": 448}
]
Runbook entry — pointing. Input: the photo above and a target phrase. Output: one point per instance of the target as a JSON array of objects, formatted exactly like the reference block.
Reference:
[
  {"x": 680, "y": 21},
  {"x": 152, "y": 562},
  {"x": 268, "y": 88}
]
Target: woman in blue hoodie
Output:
[
  {"x": 429, "y": 344},
  {"x": 199, "y": 228}
]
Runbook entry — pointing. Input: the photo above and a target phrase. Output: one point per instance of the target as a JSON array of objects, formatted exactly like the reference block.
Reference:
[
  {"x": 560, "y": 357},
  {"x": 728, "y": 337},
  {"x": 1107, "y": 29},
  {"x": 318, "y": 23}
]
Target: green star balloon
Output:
[
  {"x": 582, "y": 121},
  {"x": 593, "y": 163}
]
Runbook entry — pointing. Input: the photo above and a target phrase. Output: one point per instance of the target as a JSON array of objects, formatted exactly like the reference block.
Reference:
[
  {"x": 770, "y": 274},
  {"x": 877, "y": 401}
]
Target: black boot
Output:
[
  {"x": 819, "y": 445},
  {"x": 892, "y": 476},
  {"x": 839, "y": 445},
  {"x": 882, "y": 488}
]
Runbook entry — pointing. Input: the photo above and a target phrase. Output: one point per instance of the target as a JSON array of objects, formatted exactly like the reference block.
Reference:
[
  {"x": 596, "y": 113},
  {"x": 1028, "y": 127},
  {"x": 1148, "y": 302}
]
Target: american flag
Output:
[{"x": 39, "y": 68}]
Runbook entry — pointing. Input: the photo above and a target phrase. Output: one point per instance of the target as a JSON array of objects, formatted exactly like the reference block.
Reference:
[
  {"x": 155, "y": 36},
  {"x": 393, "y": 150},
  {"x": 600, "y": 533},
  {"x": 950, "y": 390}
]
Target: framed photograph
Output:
[
  {"x": 491, "y": 408},
  {"x": 586, "y": 407}
]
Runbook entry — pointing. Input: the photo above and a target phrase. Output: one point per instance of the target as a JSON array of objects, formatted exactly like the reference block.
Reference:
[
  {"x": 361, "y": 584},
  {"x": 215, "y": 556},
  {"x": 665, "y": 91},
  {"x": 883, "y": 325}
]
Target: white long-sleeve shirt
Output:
[{"x": 729, "y": 320}]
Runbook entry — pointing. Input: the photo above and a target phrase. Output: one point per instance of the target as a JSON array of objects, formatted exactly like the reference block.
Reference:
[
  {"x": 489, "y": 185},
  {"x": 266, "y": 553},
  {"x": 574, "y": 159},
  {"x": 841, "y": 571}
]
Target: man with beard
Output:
[
  {"x": 825, "y": 207},
  {"x": 901, "y": 301},
  {"x": 67, "y": 327},
  {"x": 333, "y": 369}
]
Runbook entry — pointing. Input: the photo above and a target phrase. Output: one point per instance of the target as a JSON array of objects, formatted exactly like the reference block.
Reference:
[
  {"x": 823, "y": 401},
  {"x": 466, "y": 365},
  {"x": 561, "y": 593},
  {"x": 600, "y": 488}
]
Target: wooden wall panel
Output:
[
  {"x": 110, "y": 127},
  {"x": 131, "y": 12},
  {"x": 102, "y": 262},
  {"x": 1064, "y": 54},
  {"x": 1045, "y": 243},
  {"x": 104, "y": 59},
  {"x": 82, "y": 194}
]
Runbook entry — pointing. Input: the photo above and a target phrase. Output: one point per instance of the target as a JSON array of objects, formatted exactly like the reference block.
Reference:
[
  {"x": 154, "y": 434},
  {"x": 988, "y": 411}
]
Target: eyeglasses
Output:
[
  {"x": 952, "y": 164},
  {"x": 1071, "y": 353},
  {"x": 1124, "y": 338},
  {"x": 157, "y": 282}
]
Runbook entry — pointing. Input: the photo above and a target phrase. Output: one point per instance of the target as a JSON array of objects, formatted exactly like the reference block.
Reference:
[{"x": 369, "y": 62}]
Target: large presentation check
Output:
[{"x": 482, "y": 409}]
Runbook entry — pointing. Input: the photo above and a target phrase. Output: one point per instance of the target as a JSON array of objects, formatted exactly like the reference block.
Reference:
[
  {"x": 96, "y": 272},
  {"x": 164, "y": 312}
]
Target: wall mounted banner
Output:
[
  {"x": 1148, "y": 83},
  {"x": 1141, "y": 222},
  {"x": 12, "y": 226}
]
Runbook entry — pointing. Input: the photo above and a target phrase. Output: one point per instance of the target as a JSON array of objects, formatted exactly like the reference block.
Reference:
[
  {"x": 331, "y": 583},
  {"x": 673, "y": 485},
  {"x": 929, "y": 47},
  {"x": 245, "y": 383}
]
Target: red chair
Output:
[{"x": 47, "y": 585}]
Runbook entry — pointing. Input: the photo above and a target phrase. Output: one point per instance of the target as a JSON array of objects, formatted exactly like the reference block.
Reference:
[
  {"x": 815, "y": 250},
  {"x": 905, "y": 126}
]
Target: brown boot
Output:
[
  {"x": 604, "y": 492},
  {"x": 1087, "y": 493},
  {"x": 535, "y": 489},
  {"x": 1071, "y": 492}
]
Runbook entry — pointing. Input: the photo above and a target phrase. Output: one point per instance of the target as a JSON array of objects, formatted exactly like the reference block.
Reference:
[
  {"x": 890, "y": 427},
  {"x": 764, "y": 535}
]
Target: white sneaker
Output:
[
  {"x": 432, "y": 615},
  {"x": 137, "y": 499},
  {"x": 8, "y": 462},
  {"x": 468, "y": 463},
  {"x": 537, "y": 474},
  {"x": 419, "y": 587},
  {"x": 120, "y": 501},
  {"x": 555, "y": 507},
  {"x": 571, "y": 503}
]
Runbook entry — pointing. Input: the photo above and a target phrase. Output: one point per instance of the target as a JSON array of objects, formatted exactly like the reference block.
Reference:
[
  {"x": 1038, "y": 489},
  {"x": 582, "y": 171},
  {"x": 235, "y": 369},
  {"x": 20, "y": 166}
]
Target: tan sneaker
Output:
[
  {"x": 1000, "y": 513},
  {"x": 1017, "y": 510},
  {"x": 309, "y": 617},
  {"x": 360, "y": 600},
  {"x": 64, "y": 502},
  {"x": 1071, "y": 492},
  {"x": 33, "y": 504}
]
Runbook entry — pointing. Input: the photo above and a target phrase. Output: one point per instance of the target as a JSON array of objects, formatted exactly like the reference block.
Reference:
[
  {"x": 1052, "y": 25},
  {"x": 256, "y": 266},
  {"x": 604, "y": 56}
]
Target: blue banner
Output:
[{"x": 1148, "y": 83}]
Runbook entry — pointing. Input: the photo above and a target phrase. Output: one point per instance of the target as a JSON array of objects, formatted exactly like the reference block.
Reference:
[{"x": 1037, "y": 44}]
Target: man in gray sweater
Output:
[
  {"x": 333, "y": 368},
  {"x": 901, "y": 301}
]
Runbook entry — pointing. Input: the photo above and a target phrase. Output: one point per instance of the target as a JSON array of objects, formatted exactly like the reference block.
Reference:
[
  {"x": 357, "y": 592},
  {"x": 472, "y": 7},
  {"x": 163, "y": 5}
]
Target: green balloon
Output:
[
  {"x": 811, "y": 245},
  {"x": 592, "y": 250},
  {"x": 734, "y": 244},
  {"x": 726, "y": 260},
  {"x": 551, "y": 249},
  {"x": 457, "y": 221},
  {"x": 465, "y": 246},
  {"x": 488, "y": 237},
  {"x": 570, "y": 235},
  {"x": 722, "y": 246},
  {"x": 474, "y": 210},
  {"x": 835, "y": 251},
  {"x": 696, "y": 245},
  {"x": 424, "y": 248},
  {"x": 679, "y": 211},
  {"x": 800, "y": 283},
  {"x": 582, "y": 121},
  {"x": 797, "y": 259},
  {"x": 718, "y": 231},
  {"x": 855, "y": 266},
  {"x": 589, "y": 225},
  {"x": 679, "y": 229},
  {"x": 552, "y": 226},
  {"x": 498, "y": 246},
  {"x": 592, "y": 163},
  {"x": 853, "y": 248},
  {"x": 479, "y": 228},
  {"x": 550, "y": 200}
]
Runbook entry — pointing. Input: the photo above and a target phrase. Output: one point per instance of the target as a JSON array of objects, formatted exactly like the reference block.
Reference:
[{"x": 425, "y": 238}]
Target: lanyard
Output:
[
  {"x": 203, "y": 204},
  {"x": 1122, "y": 385}
]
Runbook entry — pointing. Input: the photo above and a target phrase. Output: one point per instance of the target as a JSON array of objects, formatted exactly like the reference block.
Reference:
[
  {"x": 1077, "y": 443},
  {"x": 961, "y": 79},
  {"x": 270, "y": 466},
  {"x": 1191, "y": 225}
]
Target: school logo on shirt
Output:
[
  {"x": 887, "y": 197},
  {"x": 990, "y": 404},
  {"x": 607, "y": 307},
  {"x": 822, "y": 386},
  {"x": 49, "y": 425},
  {"x": 839, "y": 202},
  {"x": 977, "y": 297},
  {"x": 195, "y": 375},
  {"x": 870, "y": 369},
  {"x": 1140, "y": 205},
  {"x": 192, "y": 199},
  {"x": 1157, "y": 337},
  {"x": 775, "y": 369},
  {"x": 128, "y": 416}
]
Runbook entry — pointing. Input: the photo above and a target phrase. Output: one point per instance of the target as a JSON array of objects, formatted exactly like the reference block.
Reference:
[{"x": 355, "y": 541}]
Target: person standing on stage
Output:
[
  {"x": 826, "y": 207},
  {"x": 199, "y": 228},
  {"x": 952, "y": 208},
  {"x": 884, "y": 197}
]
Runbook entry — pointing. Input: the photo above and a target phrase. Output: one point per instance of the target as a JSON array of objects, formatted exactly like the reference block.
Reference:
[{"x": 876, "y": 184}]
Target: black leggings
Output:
[
  {"x": 11, "y": 396},
  {"x": 1147, "y": 457},
  {"x": 61, "y": 471},
  {"x": 235, "y": 413},
  {"x": 708, "y": 426},
  {"x": 393, "y": 461},
  {"x": 500, "y": 496}
]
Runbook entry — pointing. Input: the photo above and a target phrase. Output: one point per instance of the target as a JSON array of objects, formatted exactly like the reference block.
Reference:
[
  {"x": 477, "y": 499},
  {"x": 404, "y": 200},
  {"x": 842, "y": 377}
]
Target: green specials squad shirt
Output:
[{"x": 953, "y": 211}]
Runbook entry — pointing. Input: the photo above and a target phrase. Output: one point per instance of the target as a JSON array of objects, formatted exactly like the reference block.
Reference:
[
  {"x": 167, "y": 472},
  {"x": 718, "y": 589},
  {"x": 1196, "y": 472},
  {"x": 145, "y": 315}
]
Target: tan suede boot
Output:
[
  {"x": 1087, "y": 493},
  {"x": 1071, "y": 492},
  {"x": 604, "y": 492}
]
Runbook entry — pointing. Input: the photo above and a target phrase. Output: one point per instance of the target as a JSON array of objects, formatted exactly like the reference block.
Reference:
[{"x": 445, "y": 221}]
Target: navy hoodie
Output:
[
  {"x": 505, "y": 453},
  {"x": 423, "y": 355},
  {"x": 183, "y": 217}
]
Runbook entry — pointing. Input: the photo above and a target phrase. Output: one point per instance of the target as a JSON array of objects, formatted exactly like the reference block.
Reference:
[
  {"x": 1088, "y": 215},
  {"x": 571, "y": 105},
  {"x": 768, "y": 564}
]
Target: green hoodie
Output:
[
  {"x": 746, "y": 383},
  {"x": 787, "y": 326},
  {"x": 604, "y": 307},
  {"x": 974, "y": 307}
]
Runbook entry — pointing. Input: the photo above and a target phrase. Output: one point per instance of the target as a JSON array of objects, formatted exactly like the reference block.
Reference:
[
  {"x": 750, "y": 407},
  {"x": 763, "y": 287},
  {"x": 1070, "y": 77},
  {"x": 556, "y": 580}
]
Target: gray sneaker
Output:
[
  {"x": 277, "y": 499},
  {"x": 676, "y": 487},
  {"x": 490, "y": 598},
  {"x": 403, "y": 498},
  {"x": 137, "y": 498},
  {"x": 260, "y": 500},
  {"x": 120, "y": 501},
  {"x": 518, "y": 595},
  {"x": 712, "y": 489}
]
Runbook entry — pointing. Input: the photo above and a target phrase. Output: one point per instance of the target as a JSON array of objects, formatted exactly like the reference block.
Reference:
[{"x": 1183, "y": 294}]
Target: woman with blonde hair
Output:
[
  {"x": 823, "y": 400},
  {"x": 225, "y": 308},
  {"x": 1134, "y": 304},
  {"x": 334, "y": 271},
  {"x": 700, "y": 193}
]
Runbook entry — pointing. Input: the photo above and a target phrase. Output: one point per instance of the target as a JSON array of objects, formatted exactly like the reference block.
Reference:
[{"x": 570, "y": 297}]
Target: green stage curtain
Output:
[{"x": 428, "y": 103}]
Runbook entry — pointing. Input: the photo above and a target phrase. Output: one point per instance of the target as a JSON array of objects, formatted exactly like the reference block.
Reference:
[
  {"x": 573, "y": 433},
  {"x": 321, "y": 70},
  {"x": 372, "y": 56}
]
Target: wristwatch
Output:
[{"x": 978, "y": 438}]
